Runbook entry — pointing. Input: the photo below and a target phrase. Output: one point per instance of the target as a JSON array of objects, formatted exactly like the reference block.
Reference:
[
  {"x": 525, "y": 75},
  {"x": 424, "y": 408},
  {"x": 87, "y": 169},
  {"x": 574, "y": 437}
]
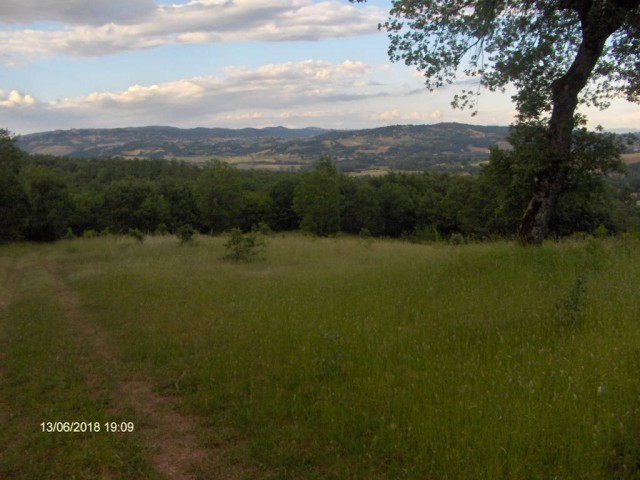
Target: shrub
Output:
[
  {"x": 601, "y": 231},
  {"x": 90, "y": 233},
  {"x": 161, "y": 229},
  {"x": 365, "y": 233},
  {"x": 428, "y": 233},
  {"x": 185, "y": 233},
  {"x": 245, "y": 247},
  {"x": 457, "y": 239},
  {"x": 262, "y": 228},
  {"x": 69, "y": 235},
  {"x": 570, "y": 308},
  {"x": 137, "y": 234}
]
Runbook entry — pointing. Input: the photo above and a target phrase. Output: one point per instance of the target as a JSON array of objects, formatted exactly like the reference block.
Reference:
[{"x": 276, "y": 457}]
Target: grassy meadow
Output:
[{"x": 329, "y": 359}]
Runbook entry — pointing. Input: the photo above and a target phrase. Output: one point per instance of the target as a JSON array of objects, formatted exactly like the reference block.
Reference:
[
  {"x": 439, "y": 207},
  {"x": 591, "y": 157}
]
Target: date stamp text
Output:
[{"x": 87, "y": 427}]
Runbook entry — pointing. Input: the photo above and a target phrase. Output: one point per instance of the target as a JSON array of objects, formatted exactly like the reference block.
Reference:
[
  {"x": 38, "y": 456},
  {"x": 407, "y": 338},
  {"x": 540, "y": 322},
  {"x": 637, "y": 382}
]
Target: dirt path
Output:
[{"x": 170, "y": 436}]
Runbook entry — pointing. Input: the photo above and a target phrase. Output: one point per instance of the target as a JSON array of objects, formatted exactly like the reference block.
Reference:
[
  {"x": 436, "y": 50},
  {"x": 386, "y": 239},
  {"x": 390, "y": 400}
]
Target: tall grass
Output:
[
  {"x": 331, "y": 359},
  {"x": 44, "y": 378}
]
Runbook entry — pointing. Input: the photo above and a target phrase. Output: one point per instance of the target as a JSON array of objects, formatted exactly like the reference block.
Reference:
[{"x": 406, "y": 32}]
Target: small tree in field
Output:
[
  {"x": 244, "y": 247},
  {"x": 185, "y": 233},
  {"x": 558, "y": 54}
]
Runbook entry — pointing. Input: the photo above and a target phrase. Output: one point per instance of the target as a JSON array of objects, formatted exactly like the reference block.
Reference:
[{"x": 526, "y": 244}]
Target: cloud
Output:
[
  {"x": 286, "y": 91},
  {"x": 103, "y": 27},
  {"x": 386, "y": 116},
  {"x": 268, "y": 86},
  {"x": 242, "y": 117},
  {"x": 85, "y": 12},
  {"x": 16, "y": 100},
  {"x": 397, "y": 115}
]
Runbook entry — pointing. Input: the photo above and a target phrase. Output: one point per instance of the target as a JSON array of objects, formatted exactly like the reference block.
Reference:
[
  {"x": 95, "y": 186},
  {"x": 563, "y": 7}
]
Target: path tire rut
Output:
[{"x": 170, "y": 436}]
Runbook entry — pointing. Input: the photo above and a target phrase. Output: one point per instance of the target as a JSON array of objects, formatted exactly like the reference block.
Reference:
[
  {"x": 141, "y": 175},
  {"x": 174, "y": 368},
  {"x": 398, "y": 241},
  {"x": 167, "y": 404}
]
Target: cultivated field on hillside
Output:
[{"x": 329, "y": 359}]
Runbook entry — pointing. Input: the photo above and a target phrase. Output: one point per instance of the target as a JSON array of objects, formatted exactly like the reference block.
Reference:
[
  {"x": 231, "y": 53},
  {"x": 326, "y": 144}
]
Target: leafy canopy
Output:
[{"x": 527, "y": 43}]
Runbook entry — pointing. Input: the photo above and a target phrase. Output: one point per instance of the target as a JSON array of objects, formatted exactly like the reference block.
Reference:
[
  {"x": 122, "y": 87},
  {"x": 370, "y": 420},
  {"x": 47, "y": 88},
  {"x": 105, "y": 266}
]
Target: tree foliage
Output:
[
  {"x": 51, "y": 205},
  {"x": 218, "y": 196},
  {"x": 132, "y": 203},
  {"x": 317, "y": 200},
  {"x": 511, "y": 176},
  {"x": 14, "y": 201},
  {"x": 529, "y": 44},
  {"x": 558, "y": 54}
]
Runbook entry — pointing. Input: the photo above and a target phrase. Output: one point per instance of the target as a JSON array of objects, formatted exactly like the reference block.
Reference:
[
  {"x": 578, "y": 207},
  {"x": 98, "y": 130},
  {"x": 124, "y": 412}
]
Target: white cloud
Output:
[
  {"x": 397, "y": 115},
  {"x": 386, "y": 116},
  {"x": 308, "y": 89},
  {"x": 203, "y": 21},
  {"x": 242, "y": 117},
  {"x": 15, "y": 99}
]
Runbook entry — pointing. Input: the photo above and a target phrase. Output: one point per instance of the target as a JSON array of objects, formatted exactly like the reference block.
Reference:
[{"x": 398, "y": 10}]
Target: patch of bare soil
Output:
[{"x": 169, "y": 435}]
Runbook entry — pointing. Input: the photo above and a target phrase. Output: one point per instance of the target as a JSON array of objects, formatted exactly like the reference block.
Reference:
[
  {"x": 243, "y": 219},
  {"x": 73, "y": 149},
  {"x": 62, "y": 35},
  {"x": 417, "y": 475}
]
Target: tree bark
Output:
[{"x": 597, "y": 27}]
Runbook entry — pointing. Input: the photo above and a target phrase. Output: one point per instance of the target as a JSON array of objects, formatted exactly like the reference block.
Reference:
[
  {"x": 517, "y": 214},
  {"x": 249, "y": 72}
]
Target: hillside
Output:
[
  {"x": 445, "y": 146},
  {"x": 159, "y": 141}
]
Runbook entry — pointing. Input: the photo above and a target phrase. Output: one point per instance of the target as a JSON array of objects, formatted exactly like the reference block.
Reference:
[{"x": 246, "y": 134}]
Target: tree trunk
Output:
[
  {"x": 535, "y": 221},
  {"x": 596, "y": 29}
]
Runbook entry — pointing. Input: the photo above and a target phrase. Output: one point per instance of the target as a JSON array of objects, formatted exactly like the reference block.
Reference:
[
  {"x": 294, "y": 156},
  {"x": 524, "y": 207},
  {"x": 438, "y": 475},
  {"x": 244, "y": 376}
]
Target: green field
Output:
[{"x": 329, "y": 359}]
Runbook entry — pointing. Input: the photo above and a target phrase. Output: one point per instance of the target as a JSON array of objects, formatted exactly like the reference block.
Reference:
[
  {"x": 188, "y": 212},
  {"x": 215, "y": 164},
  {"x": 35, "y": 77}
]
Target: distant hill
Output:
[
  {"x": 444, "y": 146},
  {"x": 156, "y": 141}
]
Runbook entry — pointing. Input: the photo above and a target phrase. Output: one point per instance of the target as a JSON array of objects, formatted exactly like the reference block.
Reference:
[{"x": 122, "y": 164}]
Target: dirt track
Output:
[{"x": 170, "y": 437}]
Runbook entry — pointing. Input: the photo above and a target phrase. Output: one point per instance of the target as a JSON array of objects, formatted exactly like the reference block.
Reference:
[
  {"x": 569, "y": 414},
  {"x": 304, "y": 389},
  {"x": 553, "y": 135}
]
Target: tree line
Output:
[{"x": 45, "y": 198}]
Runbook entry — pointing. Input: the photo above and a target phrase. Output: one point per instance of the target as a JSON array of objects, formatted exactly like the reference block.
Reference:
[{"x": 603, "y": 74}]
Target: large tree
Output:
[{"x": 558, "y": 54}]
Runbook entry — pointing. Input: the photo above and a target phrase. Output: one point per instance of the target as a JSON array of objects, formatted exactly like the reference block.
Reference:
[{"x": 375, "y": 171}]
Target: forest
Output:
[{"x": 45, "y": 198}]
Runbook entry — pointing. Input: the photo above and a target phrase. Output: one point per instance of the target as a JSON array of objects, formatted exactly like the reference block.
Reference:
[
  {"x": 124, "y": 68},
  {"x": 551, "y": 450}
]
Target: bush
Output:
[
  {"x": 161, "y": 229},
  {"x": 246, "y": 247},
  {"x": 457, "y": 239},
  {"x": 262, "y": 228},
  {"x": 427, "y": 233},
  {"x": 601, "y": 231},
  {"x": 69, "y": 235},
  {"x": 137, "y": 234},
  {"x": 570, "y": 308},
  {"x": 185, "y": 233}
]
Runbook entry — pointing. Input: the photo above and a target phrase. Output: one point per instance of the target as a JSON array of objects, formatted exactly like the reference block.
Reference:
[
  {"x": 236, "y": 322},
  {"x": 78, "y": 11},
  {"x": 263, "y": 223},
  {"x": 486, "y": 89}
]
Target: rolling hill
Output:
[{"x": 444, "y": 146}]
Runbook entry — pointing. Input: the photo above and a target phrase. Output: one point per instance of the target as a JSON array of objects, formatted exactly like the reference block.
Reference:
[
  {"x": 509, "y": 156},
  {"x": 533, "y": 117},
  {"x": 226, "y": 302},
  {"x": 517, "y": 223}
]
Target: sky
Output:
[{"x": 221, "y": 63}]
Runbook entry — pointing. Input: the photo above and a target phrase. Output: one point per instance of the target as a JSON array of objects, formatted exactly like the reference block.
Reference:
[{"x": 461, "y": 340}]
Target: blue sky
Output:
[{"x": 230, "y": 63}]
